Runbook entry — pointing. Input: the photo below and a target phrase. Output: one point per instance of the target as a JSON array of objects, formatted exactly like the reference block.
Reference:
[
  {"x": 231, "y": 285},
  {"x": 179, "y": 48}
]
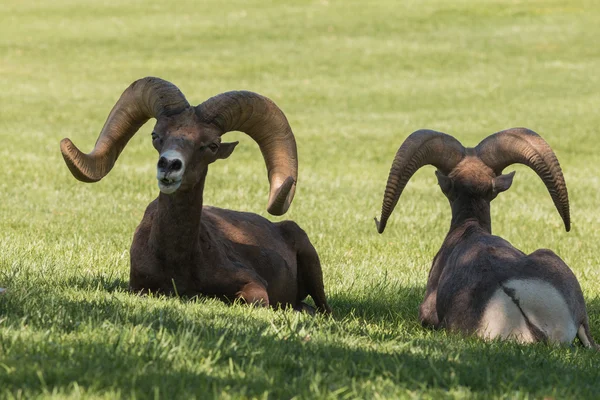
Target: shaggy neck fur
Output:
[{"x": 470, "y": 208}]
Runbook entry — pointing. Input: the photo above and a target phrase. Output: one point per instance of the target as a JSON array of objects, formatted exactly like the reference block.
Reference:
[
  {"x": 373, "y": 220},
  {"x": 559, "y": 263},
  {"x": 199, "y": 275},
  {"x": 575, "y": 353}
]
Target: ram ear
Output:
[
  {"x": 444, "y": 182},
  {"x": 503, "y": 182},
  {"x": 225, "y": 150}
]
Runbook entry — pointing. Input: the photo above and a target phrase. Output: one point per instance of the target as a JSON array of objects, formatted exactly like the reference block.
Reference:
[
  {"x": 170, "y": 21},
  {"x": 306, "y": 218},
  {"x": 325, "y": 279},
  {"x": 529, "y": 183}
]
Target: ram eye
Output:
[
  {"x": 213, "y": 147},
  {"x": 154, "y": 136}
]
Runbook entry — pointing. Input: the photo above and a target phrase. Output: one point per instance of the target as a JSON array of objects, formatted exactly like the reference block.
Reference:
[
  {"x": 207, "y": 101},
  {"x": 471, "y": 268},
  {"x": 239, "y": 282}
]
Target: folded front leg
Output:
[{"x": 254, "y": 293}]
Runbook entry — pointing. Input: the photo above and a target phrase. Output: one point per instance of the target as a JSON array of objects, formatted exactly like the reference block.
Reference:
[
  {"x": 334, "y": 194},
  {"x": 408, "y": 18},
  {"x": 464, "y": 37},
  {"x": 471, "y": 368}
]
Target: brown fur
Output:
[
  {"x": 472, "y": 263},
  {"x": 185, "y": 248}
]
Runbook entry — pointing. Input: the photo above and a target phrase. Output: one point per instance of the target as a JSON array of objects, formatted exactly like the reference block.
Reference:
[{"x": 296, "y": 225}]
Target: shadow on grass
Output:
[
  {"x": 106, "y": 282},
  {"x": 104, "y": 345},
  {"x": 380, "y": 305}
]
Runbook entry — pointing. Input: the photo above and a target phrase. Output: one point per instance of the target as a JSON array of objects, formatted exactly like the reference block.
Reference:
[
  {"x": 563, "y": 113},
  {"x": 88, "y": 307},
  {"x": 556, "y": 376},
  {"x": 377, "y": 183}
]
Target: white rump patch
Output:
[{"x": 542, "y": 303}]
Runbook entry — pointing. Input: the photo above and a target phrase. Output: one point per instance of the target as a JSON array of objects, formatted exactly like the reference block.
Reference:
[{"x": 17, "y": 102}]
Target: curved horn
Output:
[
  {"x": 421, "y": 148},
  {"x": 523, "y": 146},
  {"x": 263, "y": 121},
  {"x": 144, "y": 99}
]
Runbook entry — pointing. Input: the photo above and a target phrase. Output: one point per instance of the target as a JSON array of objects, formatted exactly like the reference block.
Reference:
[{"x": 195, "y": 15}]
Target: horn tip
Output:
[
  {"x": 282, "y": 197},
  {"x": 277, "y": 209},
  {"x": 65, "y": 145},
  {"x": 380, "y": 226},
  {"x": 70, "y": 152}
]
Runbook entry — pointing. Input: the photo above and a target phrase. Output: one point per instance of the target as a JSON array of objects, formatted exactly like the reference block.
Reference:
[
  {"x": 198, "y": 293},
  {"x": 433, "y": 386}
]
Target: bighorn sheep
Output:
[
  {"x": 184, "y": 248},
  {"x": 479, "y": 283}
]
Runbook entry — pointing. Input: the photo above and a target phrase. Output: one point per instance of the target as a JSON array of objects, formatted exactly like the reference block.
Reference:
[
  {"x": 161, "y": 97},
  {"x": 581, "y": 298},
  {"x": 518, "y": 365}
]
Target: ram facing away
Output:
[
  {"x": 184, "y": 247},
  {"x": 479, "y": 283}
]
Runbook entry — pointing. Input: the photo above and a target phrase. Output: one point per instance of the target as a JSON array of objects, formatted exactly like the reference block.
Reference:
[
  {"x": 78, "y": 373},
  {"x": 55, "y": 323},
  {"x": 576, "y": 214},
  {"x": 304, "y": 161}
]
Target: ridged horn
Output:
[
  {"x": 423, "y": 147},
  {"x": 144, "y": 99},
  {"x": 524, "y": 146},
  {"x": 263, "y": 121}
]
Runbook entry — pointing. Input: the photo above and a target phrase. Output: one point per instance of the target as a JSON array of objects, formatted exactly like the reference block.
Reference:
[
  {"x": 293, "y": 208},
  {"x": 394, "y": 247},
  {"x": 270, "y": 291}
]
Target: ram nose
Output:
[{"x": 169, "y": 171}]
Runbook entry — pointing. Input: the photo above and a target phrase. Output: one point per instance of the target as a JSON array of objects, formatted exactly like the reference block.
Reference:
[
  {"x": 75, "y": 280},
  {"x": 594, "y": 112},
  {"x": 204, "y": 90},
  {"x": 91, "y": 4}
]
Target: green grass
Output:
[{"x": 354, "y": 78}]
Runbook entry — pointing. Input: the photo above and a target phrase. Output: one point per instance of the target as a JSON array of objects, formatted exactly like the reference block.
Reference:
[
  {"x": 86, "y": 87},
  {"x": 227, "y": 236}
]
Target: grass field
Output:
[{"x": 354, "y": 78}]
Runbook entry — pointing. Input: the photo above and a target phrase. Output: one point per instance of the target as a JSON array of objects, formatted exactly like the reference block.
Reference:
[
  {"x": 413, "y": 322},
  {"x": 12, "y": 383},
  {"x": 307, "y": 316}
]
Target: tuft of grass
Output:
[{"x": 354, "y": 79}]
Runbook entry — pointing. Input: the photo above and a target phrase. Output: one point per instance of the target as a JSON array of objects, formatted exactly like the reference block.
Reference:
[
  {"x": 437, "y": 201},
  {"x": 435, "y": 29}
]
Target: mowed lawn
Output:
[{"x": 354, "y": 78}]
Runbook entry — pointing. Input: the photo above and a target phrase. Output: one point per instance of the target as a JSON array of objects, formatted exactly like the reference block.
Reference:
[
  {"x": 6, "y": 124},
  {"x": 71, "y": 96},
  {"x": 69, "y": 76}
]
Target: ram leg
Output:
[
  {"x": 585, "y": 337},
  {"x": 310, "y": 274},
  {"x": 254, "y": 293}
]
